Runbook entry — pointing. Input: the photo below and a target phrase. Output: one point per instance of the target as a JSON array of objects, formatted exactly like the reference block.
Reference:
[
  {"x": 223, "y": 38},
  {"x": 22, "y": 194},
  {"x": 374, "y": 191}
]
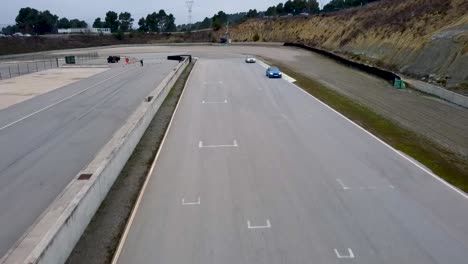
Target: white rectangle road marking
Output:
[
  {"x": 215, "y": 102},
  {"x": 198, "y": 202},
  {"x": 268, "y": 225},
  {"x": 349, "y": 256},
  {"x": 201, "y": 145}
]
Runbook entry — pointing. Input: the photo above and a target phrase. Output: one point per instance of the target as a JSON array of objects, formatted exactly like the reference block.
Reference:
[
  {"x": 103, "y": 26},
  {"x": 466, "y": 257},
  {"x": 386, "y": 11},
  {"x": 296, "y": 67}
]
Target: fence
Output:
[{"x": 25, "y": 65}]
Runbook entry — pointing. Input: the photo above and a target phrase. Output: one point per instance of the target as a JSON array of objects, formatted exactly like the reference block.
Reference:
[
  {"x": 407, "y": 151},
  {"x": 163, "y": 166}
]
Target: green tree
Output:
[
  {"x": 27, "y": 19},
  {"x": 46, "y": 23},
  {"x": 280, "y": 9},
  {"x": 252, "y": 13},
  {"x": 126, "y": 21},
  {"x": 76, "y": 23},
  {"x": 9, "y": 30},
  {"x": 206, "y": 23},
  {"x": 313, "y": 6},
  {"x": 143, "y": 27},
  {"x": 161, "y": 20},
  {"x": 152, "y": 23},
  {"x": 219, "y": 20},
  {"x": 271, "y": 11},
  {"x": 63, "y": 23},
  {"x": 170, "y": 24},
  {"x": 288, "y": 7},
  {"x": 98, "y": 23},
  {"x": 111, "y": 21}
]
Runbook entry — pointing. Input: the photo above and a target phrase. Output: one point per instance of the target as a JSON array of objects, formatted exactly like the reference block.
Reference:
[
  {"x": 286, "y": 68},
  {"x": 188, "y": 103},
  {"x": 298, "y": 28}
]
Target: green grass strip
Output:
[{"x": 443, "y": 162}]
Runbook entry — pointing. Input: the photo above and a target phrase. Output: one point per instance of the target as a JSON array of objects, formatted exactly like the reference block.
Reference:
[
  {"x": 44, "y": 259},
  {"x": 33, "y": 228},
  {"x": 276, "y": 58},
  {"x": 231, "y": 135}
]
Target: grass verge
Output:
[
  {"x": 450, "y": 166},
  {"x": 100, "y": 239}
]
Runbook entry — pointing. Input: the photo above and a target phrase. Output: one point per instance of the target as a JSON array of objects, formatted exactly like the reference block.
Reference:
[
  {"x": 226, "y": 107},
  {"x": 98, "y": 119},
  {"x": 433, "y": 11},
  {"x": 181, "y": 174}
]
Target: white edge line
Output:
[
  {"x": 268, "y": 225},
  {"x": 142, "y": 192},
  {"x": 342, "y": 184},
  {"x": 64, "y": 99},
  {"x": 390, "y": 147}
]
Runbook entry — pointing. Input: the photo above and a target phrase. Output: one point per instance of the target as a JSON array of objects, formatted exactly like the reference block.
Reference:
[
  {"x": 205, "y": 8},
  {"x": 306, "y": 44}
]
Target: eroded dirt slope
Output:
[{"x": 416, "y": 37}]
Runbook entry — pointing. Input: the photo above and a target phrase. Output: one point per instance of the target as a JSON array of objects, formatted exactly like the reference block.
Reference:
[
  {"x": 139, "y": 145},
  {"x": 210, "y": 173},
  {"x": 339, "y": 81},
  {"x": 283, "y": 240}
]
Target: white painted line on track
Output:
[
  {"x": 342, "y": 184},
  {"x": 63, "y": 100},
  {"x": 198, "y": 202},
  {"x": 268, "y": 225},
  {"x": 350, "y": 254},
  {"x": 460, "y": 192},
  {"x": 220, "y": 102},
  {"x": 201, "y": 145},
  {"x": 116, "y": 256}
]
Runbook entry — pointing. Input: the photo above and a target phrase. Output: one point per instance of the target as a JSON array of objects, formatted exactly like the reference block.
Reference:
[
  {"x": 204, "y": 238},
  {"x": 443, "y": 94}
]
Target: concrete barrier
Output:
[
  {"x": 54, "y": 235},
  {"x": 440, "y": 92},
  {"x": 386, "y": 75}
]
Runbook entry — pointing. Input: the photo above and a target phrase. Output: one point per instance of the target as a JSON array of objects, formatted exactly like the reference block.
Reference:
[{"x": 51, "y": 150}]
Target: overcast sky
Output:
[{"x": 88, "y": 10}]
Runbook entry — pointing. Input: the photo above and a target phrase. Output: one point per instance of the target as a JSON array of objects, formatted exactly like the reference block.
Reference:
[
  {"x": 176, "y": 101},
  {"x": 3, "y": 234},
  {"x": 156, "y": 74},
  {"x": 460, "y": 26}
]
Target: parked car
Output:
[
  {"x": 2, "y": 36},
  {"x": 17, "y": 34},
  {"x": 250, "y": 59},
  {"x": 27, "y": 35},
  {"x": 113, "y": 59},
  {"x": 273, "y": 72}
]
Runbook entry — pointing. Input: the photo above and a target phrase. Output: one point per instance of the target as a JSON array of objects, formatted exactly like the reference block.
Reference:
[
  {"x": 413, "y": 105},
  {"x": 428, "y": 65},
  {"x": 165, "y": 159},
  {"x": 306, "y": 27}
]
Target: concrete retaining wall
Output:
[
  {"x": 386, "y": 75},
  {"x": 440, "y": 92},
  {"x": 54, "y": 235}
]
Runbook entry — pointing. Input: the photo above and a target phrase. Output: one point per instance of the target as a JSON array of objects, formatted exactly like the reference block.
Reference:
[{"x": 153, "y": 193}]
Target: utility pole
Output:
[{"x": 189, "y": 4}]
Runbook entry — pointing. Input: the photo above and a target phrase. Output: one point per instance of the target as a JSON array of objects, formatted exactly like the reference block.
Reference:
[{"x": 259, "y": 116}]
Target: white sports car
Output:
[{"x": 250, "y": 59}]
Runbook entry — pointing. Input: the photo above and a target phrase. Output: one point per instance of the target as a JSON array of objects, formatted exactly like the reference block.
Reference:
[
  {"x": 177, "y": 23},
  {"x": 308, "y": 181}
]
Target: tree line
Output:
[
  {"x": 123, "y": 22},
  {"x": 335, "y": 5},
  {"x": 296, "y": 7},
  {"x": 32, "y": 21}
]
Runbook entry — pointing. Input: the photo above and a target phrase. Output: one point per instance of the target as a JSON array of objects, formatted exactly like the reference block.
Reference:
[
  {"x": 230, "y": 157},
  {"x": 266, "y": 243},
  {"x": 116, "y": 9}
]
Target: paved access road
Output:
[
  {"x": 254, "y": 170},
  {"x": 47, "y": 140}
]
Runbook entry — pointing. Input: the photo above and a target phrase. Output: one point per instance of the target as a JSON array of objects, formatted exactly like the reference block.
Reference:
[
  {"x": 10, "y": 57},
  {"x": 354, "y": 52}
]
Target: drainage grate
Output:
[
  {"x": 149, "y": 98},
  {"x": 84, "y": 177}
]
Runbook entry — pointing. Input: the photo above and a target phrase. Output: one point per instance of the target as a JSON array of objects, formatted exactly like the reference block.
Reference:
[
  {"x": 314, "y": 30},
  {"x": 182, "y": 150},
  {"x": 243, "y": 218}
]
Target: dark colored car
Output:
[
  {"x": 113, "y": 59},
  {"x": 273, "y": 72}
]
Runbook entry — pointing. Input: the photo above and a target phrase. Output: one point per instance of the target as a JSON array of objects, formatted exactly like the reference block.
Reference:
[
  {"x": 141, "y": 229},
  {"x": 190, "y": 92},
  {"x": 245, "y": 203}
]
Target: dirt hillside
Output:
[{"x": 416, "y": 37}]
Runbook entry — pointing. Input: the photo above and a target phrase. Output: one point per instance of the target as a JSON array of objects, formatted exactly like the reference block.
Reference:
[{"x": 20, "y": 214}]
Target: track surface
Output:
[
  {"x": 434, "y": 118},
  {"x": 47, "y": 140},
  {"x": 274, "y": 176}
]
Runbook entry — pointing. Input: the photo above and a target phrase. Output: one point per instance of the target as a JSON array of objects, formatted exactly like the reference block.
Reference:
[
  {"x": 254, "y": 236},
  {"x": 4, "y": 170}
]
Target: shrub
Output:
[
  {"x": 119, "y": 35},
  {"x": 256, "y": 37}
]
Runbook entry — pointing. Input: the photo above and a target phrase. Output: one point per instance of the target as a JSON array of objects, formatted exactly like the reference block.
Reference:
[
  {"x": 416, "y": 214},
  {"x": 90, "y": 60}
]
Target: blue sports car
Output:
[{"x": 273, "y": 72}]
